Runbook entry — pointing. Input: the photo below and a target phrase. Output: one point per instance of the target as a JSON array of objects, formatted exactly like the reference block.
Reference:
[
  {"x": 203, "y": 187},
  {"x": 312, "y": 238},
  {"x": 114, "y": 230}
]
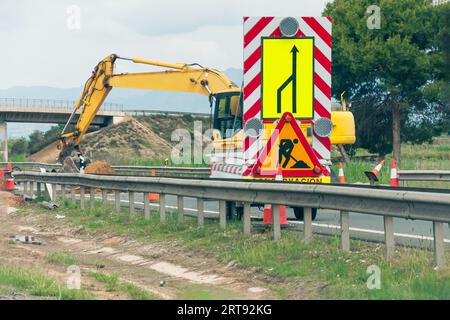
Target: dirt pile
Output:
[
  {"x": 125, "y": 141},
  {"x": 47, "y": 155},
  {"x": 135, "y": 138},
  {"x": 100, "y": 167}
]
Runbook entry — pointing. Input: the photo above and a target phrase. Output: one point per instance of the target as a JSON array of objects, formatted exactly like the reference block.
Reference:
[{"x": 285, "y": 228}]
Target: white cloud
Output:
[{"x": 39, "y": 49}]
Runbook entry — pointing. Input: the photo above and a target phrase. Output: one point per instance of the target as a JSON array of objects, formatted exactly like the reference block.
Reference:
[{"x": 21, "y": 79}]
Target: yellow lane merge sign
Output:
[{"x": 287, "y": 77}]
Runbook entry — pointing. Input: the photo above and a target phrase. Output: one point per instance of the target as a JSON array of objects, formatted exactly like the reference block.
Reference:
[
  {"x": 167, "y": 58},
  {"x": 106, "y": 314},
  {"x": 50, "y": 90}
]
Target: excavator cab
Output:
[{"x": 227, "y": 112}]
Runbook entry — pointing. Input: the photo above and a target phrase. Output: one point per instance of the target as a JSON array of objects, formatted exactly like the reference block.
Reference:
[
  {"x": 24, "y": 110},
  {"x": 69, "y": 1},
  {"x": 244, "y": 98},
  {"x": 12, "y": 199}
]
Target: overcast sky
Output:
[{"x": 39, "y": 48}]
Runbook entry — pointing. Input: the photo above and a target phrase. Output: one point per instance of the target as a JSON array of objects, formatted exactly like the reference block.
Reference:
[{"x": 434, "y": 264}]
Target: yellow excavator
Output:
[
  {"x": 177, "y": 77},
  {"x": 224, "y": 95}
]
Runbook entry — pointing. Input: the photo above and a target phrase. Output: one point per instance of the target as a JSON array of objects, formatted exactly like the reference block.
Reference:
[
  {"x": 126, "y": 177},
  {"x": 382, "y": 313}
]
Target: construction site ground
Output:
[{"x": 161, "y": 270}]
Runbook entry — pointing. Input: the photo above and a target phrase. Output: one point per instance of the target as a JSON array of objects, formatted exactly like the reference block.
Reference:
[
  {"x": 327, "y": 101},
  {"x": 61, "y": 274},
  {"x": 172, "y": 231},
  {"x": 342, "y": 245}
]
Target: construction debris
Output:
[
  {"x": 100, "y": 167},
  {"x": 26, "y": 239},
  {"x": 49, "y": 205}
]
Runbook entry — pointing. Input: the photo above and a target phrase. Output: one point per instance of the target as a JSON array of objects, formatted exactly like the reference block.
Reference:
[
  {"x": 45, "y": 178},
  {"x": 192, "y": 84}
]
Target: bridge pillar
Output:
[{"x": 3, "y": 141}]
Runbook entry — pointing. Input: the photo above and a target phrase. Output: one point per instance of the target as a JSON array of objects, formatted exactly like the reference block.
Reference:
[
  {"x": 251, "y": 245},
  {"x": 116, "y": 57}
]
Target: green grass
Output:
[
  {"x": 17, "y": 158},
  {"x": 426, "y": 156},
  {"x": 34, "y": 283},
  {"x": 111, "y": 281},
  {"x": 196, "y": 292},
  {"x": 342, "y": 275},
  {"x": 113, "y": 285},
  {"x": 57, "y": 257}
]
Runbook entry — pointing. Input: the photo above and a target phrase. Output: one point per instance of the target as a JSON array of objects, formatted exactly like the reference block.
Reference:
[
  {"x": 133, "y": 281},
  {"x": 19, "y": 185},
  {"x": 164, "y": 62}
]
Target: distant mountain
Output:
[{"x": 130, "y": 98}]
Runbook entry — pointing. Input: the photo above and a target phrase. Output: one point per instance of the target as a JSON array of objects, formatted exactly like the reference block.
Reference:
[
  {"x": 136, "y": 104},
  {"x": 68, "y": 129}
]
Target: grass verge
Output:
[
  {"x": 36, "y": 284},
  {"x": 113, "y": 284},
  {"x": 62, "y": 258},
  {"x": 334, "y": 274}
]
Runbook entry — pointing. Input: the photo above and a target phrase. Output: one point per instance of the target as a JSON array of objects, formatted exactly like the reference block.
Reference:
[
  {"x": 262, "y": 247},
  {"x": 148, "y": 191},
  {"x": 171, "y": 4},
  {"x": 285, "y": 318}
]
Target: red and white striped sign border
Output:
[{"x": 257, "y": 27}]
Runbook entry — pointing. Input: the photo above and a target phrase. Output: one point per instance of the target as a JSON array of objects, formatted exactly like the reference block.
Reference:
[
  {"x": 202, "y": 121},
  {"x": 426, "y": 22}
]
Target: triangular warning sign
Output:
[{"x": 288, "y": 148}]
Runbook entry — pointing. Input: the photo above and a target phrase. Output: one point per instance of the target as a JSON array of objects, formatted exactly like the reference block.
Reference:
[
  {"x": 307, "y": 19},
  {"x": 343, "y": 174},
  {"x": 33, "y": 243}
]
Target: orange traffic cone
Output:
[
  {"x": 153, "y": 197},
  {"x": 9, "y": 167},
  {"x": 373, "y": 175},
  {"x": 2, "y": 179},
  {"x": 267, "y": 218},
  {"x": 268, "y": 214},
  {"x": 341, "y": 174},
  {"x": 394, "y": 176}
]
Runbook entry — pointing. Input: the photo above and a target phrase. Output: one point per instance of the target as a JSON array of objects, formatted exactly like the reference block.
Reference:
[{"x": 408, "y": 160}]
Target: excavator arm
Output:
[{"x": 178, "y": 77}]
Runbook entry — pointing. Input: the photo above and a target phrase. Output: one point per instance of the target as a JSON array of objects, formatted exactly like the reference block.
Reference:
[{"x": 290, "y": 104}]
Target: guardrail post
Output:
[
  {"x": 117, "y": 201},
  {"x": 246, "y": 219},
  {"x": 162, "y": 207},
  {"x": 31, "y": 188},
  {"x": 146, "y": 206},
  {"x": 180, "y": 207},
  {"x": 389, "y": 237},
  {"x": 82, "y": 197},
  {"x": 25, "y": 188},
  {"x": 63, "y": 193},
  {"x": 276, "y": 222},
  {"x": 201, "y": 212},
  {"x": 38, "y": 189},
  {"x": 439, "y": 246},
  {"x": 92, "y": 198},
  {"x": 345, "y": 231},
  {"x": 131, "y": 202},
  {"x": 104, "y": 195},
  {"x": 72, "y": 194},
  {"x": 222, "y": 214},
  {"x": 307, "y": 224},
  {"x": 53, "y": 192}
]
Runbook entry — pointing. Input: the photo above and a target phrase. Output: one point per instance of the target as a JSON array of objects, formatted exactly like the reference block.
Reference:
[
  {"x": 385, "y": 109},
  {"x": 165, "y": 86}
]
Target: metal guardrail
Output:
[
  {"x": 426, "y": 206},
  {"x": 423, "y": 175},
  {"x": 31, "y": 165},
  {"x": 51, "y": 103},
  {"x": 162, "y": 170},
  {"x": 141, "y": 170}
]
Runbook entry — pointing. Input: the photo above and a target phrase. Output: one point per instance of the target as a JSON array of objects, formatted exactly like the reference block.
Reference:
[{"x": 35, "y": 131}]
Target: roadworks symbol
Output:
[{"x": 288, "y": 148}]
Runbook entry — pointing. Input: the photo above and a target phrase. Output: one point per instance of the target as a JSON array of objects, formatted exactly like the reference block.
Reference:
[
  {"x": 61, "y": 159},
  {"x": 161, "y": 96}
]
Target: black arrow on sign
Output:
[{"x": 292, "y": 78}]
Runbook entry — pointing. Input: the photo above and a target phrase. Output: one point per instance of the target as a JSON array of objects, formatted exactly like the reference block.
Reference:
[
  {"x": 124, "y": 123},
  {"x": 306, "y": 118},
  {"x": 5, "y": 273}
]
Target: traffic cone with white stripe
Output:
[
  {"x": 153, "y": 197},
  {"x": 394, "y": 176},
  {"x": 373, "y": 175},
  {"x": 341, "y": 174},
  {"x": 268, "y": 213}
]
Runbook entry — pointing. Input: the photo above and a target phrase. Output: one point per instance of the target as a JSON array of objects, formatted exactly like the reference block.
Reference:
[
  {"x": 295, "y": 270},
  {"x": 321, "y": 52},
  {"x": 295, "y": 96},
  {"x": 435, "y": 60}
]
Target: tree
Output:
[
  {"x": 390, "y": 72},
  {"x": 18, "y": 146}
]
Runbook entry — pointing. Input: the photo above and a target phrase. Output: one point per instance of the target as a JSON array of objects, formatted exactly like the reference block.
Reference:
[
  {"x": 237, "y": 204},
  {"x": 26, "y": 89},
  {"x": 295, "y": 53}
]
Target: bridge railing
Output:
[{"x": 51, "y": 103}]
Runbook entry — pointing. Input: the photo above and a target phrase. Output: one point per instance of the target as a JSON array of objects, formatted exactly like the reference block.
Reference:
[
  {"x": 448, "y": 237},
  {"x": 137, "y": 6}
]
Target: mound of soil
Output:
[{"x": 100, "y": 167}]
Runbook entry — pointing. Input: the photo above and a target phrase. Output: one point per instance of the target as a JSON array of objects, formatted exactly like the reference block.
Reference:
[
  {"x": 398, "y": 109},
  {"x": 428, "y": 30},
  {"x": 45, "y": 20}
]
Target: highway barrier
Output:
[
  {"x": 388, "y": 203},
  {"x": 128, "y": 169},
  {"x": 424, "y": 175}
]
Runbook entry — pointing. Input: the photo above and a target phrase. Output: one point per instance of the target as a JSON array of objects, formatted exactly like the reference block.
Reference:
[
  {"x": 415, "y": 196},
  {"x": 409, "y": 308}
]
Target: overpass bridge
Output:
[{"x": 48, "y": 111}]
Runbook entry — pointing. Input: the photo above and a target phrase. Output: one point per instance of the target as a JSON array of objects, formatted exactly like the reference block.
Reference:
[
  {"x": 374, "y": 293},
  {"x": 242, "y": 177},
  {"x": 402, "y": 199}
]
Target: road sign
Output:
[
  {"x": 287, "y": 147},
  {"x": 287, "y": 77}
]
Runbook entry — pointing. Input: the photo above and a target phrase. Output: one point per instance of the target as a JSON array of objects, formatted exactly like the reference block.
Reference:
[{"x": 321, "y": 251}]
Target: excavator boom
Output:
[{"x": 178, "y": 77}]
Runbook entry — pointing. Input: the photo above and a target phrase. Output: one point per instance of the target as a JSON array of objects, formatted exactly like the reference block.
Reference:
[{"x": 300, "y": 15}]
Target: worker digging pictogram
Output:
[{"x": 286, "y": 148}]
